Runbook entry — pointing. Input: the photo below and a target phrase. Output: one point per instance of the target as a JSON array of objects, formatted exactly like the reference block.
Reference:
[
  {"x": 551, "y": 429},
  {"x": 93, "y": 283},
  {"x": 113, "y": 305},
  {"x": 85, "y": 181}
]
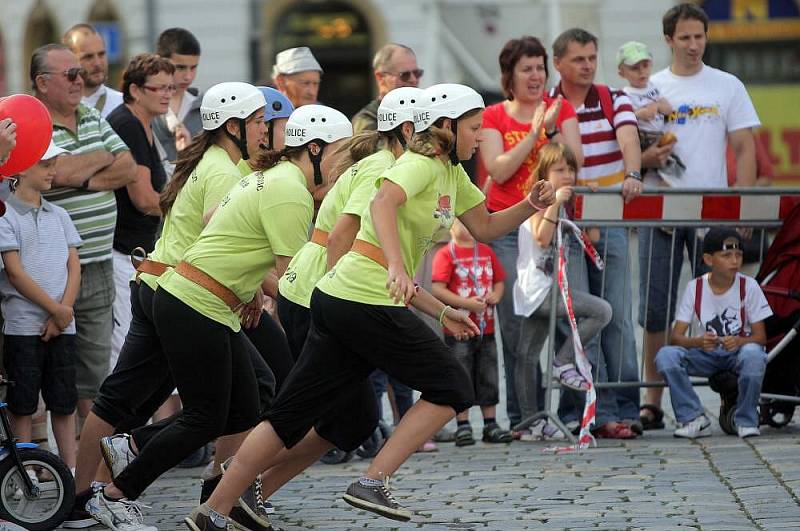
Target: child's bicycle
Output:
[{"x": 37, "y": 489}]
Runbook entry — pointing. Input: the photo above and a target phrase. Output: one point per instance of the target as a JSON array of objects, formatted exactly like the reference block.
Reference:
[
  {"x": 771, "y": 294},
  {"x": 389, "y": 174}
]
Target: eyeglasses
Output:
[
  {"x": 71, "y": 74},
  {"x": 163, "y": 89},
  {"x": 405, "y": 76}
]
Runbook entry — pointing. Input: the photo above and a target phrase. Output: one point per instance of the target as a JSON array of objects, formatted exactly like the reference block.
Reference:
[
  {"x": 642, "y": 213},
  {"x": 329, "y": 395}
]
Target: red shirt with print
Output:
[
  {"x": 512, "y": 191},
  {"x": 469, "y": 272}
]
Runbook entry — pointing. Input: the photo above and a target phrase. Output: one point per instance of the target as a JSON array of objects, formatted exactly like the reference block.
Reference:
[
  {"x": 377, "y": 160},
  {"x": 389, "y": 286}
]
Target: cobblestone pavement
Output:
[{"x": 654, "y": 483}]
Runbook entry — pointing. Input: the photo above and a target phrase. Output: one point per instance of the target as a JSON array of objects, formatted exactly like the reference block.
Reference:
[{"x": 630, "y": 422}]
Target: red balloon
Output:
[{"x": 34, "y": 130}]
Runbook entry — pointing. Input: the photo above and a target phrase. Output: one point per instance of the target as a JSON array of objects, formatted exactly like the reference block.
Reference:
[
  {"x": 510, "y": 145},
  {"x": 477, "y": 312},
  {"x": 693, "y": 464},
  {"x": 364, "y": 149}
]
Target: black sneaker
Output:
[
  {"x": 250, "y": 509},
  {"x": 79, "y": 518},
  {"x": 377, "y": 499},
  {"x": 200, "y": 521}
]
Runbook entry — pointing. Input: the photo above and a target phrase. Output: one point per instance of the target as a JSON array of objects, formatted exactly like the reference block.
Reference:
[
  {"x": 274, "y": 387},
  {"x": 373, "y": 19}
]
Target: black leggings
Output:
[
  {"x": 347, "y": 341},
  {"x": 213, "y": 370},
  {"x": 140, "y": 383}
]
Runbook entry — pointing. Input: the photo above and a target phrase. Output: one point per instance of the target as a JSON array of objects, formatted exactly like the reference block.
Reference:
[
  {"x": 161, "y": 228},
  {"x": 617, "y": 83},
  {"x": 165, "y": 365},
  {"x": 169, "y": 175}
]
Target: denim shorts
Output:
[
  {"x": 479, "y": 357},
  {"x": 37, "y": 366}
]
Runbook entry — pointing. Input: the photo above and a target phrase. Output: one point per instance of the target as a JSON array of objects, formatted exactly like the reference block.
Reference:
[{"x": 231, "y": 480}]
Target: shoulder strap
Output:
[
  {"x": 742, "y": 293},
  {"x": 698, "y": 296},
  {"x": 606, "y": 103}
]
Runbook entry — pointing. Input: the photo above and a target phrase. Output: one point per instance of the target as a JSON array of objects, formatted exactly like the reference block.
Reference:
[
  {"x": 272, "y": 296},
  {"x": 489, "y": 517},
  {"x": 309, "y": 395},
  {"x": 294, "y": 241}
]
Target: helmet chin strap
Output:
[
  {"x": 270, "y": 129},
  {"x": 398, "y": 133},
  {"x": 316, "y": 161},
  {"x": 454, "y": 160},
  {"x": 241, "y": 142}
]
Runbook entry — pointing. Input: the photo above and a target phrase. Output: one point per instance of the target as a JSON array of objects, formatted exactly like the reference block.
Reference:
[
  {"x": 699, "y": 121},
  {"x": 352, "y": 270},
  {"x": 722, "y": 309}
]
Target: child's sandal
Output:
[{"x": 568, "y": 376}]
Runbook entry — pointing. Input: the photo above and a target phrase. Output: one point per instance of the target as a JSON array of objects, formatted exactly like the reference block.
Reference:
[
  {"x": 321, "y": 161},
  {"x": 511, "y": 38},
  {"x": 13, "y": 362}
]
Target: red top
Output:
[
  {"x": 457, "y": 267},
  {"x": 511, "y": 192}
]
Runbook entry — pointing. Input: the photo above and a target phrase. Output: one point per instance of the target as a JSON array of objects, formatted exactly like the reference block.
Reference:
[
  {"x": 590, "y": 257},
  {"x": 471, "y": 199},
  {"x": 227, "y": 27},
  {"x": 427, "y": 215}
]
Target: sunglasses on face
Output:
[
  {"x": 405, "y": 76},
  {"x": 163, "y": 89},
  {"x": 71, "y": 74}
]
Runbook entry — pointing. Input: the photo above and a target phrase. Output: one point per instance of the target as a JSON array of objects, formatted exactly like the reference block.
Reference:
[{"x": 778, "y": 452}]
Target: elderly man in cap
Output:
[
  {"x": 297, "y": 74},
  {"x": 395, "y": 66}
]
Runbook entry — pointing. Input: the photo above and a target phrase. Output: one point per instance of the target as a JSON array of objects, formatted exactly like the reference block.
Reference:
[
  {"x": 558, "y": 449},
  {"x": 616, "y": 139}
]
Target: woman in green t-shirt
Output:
[
  {"x": 260, "y": 224},
  {"x": 360, "y": 319}
]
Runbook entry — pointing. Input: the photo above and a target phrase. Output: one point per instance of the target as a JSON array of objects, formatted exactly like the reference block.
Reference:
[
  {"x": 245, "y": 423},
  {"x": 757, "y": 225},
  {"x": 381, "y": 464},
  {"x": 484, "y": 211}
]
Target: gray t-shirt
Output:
[{"x": 43, "y": 237}]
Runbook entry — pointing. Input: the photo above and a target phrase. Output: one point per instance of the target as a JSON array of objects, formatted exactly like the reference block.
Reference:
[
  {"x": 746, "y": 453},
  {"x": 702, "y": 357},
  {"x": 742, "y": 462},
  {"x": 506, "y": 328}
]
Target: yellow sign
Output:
[{"x": 779, "y": 112}]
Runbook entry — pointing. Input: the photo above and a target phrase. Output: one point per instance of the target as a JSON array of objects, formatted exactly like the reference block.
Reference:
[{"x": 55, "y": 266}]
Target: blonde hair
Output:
[
  {"x": 547, "y": 157},
  {"x": 361, "y": 146}
]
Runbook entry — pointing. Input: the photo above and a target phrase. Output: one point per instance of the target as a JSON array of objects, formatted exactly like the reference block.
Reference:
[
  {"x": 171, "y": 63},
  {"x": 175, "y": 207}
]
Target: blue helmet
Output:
[{"x": 278, "y": 105}]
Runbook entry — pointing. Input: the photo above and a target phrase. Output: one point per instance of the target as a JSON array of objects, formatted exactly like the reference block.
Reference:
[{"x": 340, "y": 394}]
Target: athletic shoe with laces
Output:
[
  {"x": 694, "y": 429},
  {"x": 748, "y": 431},
  {"x": 377, "y": 499},
  {"x": 117, "y": 515},
  {"x": 117, "y": 452},
  {"x": 199, "y": 520},
  {"x": 79, "y": 518},
  {"x": 250, "y": 509}
]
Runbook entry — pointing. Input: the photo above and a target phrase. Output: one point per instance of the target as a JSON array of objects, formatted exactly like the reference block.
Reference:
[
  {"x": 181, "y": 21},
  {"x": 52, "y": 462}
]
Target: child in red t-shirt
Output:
[{"x": 468, "y": 275}]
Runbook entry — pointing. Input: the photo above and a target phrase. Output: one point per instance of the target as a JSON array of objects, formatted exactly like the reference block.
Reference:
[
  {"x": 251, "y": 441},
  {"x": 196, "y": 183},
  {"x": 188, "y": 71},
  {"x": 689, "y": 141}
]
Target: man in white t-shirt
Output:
[
  {"x": 711, "y": 108},
  {"x": 88, "y": 45},
  {"x": 728, "y": 310}
]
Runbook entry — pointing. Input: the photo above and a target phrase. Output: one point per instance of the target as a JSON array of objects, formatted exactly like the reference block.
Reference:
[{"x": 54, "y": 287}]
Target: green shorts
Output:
[{"x": 93, "y": 323}]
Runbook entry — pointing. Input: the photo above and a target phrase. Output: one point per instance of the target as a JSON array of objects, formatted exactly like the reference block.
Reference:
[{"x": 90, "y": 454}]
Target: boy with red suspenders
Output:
[{"x": 730, "y": 309}]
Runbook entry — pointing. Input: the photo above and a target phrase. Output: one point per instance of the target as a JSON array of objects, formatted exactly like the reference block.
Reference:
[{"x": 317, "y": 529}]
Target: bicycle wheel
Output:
[{"x": 51, "y": 505}]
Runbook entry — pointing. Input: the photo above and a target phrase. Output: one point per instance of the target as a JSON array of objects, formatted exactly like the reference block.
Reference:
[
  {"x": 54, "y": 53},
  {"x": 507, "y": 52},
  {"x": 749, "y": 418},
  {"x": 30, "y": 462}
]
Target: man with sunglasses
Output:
[
  {"x": 88, "y": 45},
  {"x": 395, "y": 66},
  {"x": 84, "y": 186}
]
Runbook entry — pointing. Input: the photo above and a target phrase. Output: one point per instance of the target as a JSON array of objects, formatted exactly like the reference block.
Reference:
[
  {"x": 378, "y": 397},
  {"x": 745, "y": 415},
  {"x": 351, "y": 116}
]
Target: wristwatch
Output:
[
  {"x": 634, "y": 174},
  {"x": 551, "y": 134}
]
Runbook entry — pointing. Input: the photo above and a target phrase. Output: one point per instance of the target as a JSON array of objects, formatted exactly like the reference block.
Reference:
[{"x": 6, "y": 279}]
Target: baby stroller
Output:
[{"x": 779, "y": 277}]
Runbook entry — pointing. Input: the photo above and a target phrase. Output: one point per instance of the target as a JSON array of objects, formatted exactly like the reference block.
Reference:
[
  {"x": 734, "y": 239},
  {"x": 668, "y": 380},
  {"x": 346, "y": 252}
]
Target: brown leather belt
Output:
[
  {"x": 142, "y": 264},
  {"x": 373, "y": 252},
  {"x": 206, "y": 281},
  {"x": 320, "y": 237}
]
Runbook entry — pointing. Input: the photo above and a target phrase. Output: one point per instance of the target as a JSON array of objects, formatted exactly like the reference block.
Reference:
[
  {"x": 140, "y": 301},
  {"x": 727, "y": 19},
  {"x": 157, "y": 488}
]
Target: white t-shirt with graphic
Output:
[
  {"x": 706, "y": 107},
  {"x": 721, "y": 314},
  {"x": 642, "y": 97}
]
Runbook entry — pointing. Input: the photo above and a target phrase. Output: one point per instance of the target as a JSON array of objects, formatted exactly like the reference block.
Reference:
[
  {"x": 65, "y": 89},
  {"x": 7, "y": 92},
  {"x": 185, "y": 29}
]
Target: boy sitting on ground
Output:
[{"x": 730, "y": 309}]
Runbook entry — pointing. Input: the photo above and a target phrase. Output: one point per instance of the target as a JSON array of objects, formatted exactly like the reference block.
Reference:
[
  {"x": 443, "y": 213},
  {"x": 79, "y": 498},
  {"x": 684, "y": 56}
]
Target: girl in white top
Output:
[{"x": 535, "y": 265}]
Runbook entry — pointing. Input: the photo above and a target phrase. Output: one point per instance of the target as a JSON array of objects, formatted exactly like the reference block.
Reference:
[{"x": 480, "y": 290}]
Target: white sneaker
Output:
[
  {"x": 121, "y": 515},
  {"x": 694, "y": 429},
  {"x": 541, "y": 430},
  {"x": 748, "y": 431},
  {"x": 117, "y": 453}
]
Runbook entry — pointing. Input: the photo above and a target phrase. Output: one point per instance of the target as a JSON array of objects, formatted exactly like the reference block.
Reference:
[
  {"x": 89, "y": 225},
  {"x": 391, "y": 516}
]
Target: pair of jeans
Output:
[
  {"x": 403, "y": 394},
  {"x": 592, "y": 314},
  {"x": 507, "y": 250},
  {"x": 676, "y": 364},
  {"x": 613, "y": 353}
]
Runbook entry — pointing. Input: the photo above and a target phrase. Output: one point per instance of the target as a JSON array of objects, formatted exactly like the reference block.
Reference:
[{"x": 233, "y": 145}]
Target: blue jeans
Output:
[
  {"x": 403, "y": 394},
  {"x": 676, "y": 364},
  {"x": 613, "y": 357},
  {"x": 507, "y": 250}
]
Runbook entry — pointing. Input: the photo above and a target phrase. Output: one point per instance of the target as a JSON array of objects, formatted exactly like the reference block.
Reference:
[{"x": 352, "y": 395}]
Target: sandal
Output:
[
  {"x": 428, "y": 447},
  {"x": 651, "y": 416},
  {"x": 613, "y": 430},
  {"x": 495, "y": 434},
  {"x": 464, "y": 436},
  {"x": 635, "y": 426},
  {"x": 568, "y": 376}
]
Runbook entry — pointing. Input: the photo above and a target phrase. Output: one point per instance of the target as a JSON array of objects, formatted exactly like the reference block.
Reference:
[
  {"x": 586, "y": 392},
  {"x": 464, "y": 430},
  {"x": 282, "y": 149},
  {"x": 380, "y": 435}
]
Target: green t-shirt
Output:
[
  {"x": 244, "y": 168},
  {"x": 208, "y": 183},
  {"x": 436, "y": 193},
  {"x": 350, "y": 195},
  {"x": 267, "y": 214}
]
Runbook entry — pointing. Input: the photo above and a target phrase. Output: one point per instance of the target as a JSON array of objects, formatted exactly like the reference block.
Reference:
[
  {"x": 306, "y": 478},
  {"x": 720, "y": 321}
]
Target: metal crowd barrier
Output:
[{"x": 667, "y": 209}]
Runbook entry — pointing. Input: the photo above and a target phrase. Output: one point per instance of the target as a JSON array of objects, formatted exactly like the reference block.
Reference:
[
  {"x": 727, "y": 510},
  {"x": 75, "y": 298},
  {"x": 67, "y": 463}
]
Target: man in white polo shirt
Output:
[
  {"x": 711, "y": 110},
  {"x": 88, "y": 45}
]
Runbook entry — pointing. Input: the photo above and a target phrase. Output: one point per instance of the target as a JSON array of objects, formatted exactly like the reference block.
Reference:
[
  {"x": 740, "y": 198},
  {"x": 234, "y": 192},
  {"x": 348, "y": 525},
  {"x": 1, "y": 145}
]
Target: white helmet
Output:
[
  {"x": 316, "y": 122},
  {"x": 228, "y": 100},
  {"x": 398, "y": 107},
  {"x": 446, "y": 100}
]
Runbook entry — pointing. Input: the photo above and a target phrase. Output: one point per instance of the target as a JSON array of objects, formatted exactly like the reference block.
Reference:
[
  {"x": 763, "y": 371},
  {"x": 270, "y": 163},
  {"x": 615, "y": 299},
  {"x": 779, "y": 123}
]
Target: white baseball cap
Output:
[
  {"x": 294, "y": 61},
  {"x": 53, "y": 151}
]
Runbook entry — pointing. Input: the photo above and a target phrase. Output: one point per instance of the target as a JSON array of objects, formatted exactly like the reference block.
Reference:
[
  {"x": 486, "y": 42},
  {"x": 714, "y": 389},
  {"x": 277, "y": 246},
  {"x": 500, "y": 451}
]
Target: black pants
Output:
[
  {"x": 347, "y": 341},
  {"x": 355, "y": 419},
  {"x": 141, "y": 381},
  {"x": 213, "y": 370}
]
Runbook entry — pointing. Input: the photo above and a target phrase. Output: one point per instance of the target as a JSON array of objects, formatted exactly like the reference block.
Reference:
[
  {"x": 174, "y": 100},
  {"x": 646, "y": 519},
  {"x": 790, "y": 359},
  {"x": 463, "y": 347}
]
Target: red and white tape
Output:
[{"x": 684, "y": 207}]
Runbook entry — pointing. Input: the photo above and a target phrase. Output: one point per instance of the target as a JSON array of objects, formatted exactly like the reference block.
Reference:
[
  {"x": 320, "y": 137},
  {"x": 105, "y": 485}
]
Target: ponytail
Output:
[
  {"x": 187, "y": 162},
  {"x": 432, "y": 142},
  {"x": 267, "y": 158},
  {"x": 361, "y": 146}
]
